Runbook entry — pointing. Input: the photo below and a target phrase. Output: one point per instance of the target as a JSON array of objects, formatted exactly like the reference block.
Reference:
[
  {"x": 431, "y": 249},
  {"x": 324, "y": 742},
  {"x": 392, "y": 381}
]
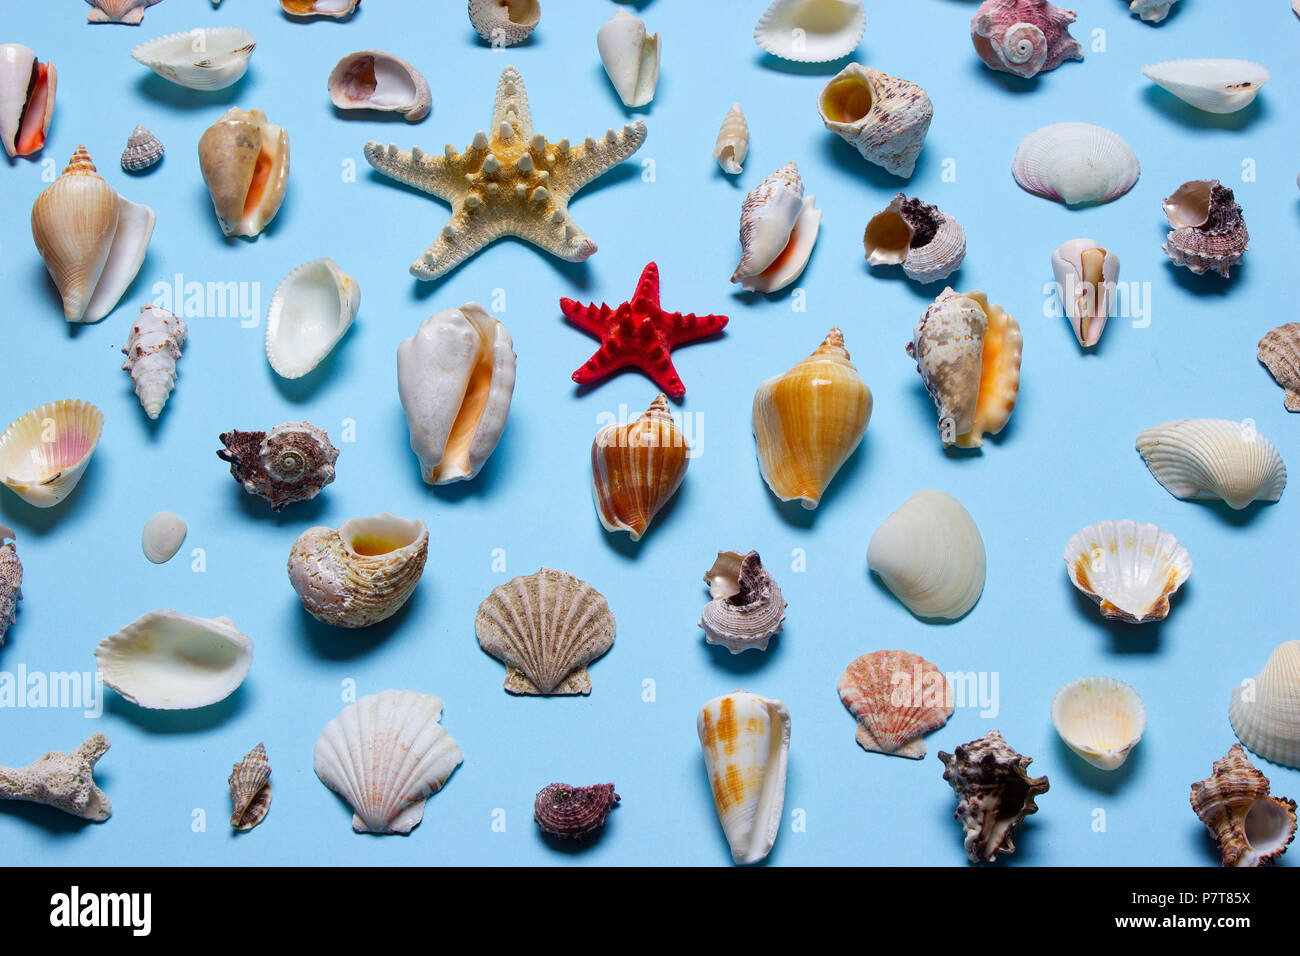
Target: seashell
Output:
[
  {"x": 930, "y": 555},
  {"x": 733, "y": 141},
  {"x": 746, "y": 742},
  {"x": 63, "y": 781},
  {"x": 504, "y": 22},
  {"x": 546, "y": 628},
  {"x": 811, "y": 31},
  {"x": 385, "y": 755},
  {"x": 885, "y": 118},
  {"x": 1152, "y": 11},
  {"x": 967, "y": 352},
  {"x": 130, "y": 12},
  {"x": 362, "y": 573},
  {"x": 291, "y": 462},
  {"x": 1213, "y": 458},
  {"x": 630, "y": 57},
  {"x": 1279, "y": 350},
  {"x": 1215, "y": 86},
  {"x": 778, "y": 227},
  {"x": 897, "y": 697},
  {"x": 636, "y": 468},
  {"x": 747, "y": 609},
  {"x": 11, "y": 581},
  {"x": 1250, "y": 827},
  {"x": 573, "y": 812},
  {"x": 151, "y": 352},
  {"x": 1086, "y": 275},
  {"x": 44, "y": 453},
  {"x": 143, "y": 150},
  {"x": 338, "y": 9},
  {"x": 250, "y": 789},
  {"x": 376, "y": 80},
  {"x": 245, "y": 163},
  {"x": 1024, "y": 37},
  {"x": 310, "y": 312},
  {"x": 93, "y": 241},
  {"x": 1130, "y": 570},
  {"x": 1265, "y": 711},
  {"x": 162, "y": 537},
  {"x": 1099, "y": 718},
  {"x": 165, "y": 660},
  {"x": 809, "y": 420},
  {"x": 208, "y": 58},
  {"x": 455, "y": 377},
  {"x": 927, "y": 242},
  {"x": 27, "y": 89},
  {"x": 1075, "y": 164},
  {"x": 994, "y": 794},
  {"x": 1209, "y": 232}
]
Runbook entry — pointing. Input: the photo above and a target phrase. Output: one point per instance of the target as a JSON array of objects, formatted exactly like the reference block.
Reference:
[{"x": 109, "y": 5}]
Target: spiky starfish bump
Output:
[
  {"x": 510, "y": 182},
  {"x": 639, "y": 334}
]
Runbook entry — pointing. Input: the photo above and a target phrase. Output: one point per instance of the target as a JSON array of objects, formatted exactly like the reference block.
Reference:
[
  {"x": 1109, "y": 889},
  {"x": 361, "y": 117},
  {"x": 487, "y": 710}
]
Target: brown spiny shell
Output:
[
  {"x": 1250, "y": 827},
  {"x": 897, "y": 697},
  {"x": 1279, "y": 350},
  {"x": 1209, "y": 232},
  {"x": 11, "y": 581},
  {"x": 636, "y": 468},
  {"x": 573, "y": 812},
  {"x": 994, "y": 793},
  {"x": 250, "y": 789},
  {"x": 291, "y": 462},
  {"x": 747, "y": 609}
]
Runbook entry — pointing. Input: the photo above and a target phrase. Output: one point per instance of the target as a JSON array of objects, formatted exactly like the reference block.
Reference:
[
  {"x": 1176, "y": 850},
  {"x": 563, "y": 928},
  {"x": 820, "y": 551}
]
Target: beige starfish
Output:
[{"x": 510, "y": 183}]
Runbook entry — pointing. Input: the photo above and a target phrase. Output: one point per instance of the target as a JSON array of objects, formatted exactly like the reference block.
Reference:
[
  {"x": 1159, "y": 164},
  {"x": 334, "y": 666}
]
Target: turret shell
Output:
[
  {"x": 732, "y": 145},
  {"x": 152, "y": 350}
]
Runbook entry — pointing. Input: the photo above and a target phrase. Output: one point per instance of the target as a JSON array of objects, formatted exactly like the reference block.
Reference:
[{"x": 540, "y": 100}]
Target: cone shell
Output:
[
  {"x": 143, "y": 150},
  {"x": 1265, "y": 711},
  {"x": 1024, "y": 37},
  {"x": 746, "y": 743},
  {"x": 994, "y": 794},
  {"x": 209, "y": 58},
  {"x": 245, "y": 163},
  {"x": 630, "y": 56},
  {"x": 1279, "y": 350},
  {"x": 733, "y": 141},
  {"x": 250, "y": 789},
  {"x": 809, "y": 420},
  {"x": 1076, "y": 164},
  {"x": 1251, "y": 827},
  {"x": 152, "y": 350},
  {"x": 928, "y": 243},
  {"x": 1213, "y": 458},
  {"x": 747, "y": 609},
  {"x": 546, "y": 628},
  {"x": 897, "y": 698},
  {"x": 11, "y": 581},
  {"x": 573, "y": 812},
  {"x": 930, "y": 555},
  {"x": 883, "y": 117},
  {"x": 27, "y": 88},
  {"x": 1130, "y": 570},
  {"x": 291, "y": 462},
  {"x": 778, "y": 228},
  {"x": 337, "y": 9},
  {"x": 504, "y": 22},
  {"x": 310, "y": 312},
  {"x": 378, "y": 80},
  {"x": 636, "y": 468},
  {"x": 1215, "y": 86},
  {"x": 44, "y": 453},
  {"x": 1209, "y": 233},
  {"x": 1099, "y": 718},
  {"x": 1086, "y": 274}
]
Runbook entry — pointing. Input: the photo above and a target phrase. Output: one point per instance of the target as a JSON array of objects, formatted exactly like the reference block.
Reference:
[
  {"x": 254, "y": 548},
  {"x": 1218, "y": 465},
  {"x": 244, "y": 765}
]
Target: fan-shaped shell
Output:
[
  {"x": 1213, "y": 458},
  {"x": 1086, "y": 274},
  {"x": 310, "y": 312},
  {"x": 546, "y": 628},
  {"x": 778, "y": 228},
  {"x": 291, "y": 462},
  {"x": 504, "y": 22},
  {"x": 747, "y": 609},
  {"x": 1250, "y": 827},
  {"x": 928, "y": 243},
  {"x": 1209, "y": 231},
  {"x": 636, "y": 468},
  {"x": 1075, "y": 164},
  {"x": 1265, "y": 711},
  {"x": 250, "y": 789},
  {"x": 897, "y": 698},
  {"x": 811, "y": 31},
  {"x": 209, "y": 58},
  {"x": 130, "y": 12},
  {"x": 44, "y": 453},
  {"x": 573, "y": 812},
  {"x": 245, "y": 163},
  {"x": 1279, "y": 350},
  {"x": 1099, "y": 718},
  {"x": 930, "y": 555},
  {"x": 1215, "y": 86},
  {"x": 1130, "y": 570},
  {"x": 1024, "y": 37},
  {"x": 885, "y": 118},
  {"x": 378, "y": 80},
  {"x": 27, "y": 88}
]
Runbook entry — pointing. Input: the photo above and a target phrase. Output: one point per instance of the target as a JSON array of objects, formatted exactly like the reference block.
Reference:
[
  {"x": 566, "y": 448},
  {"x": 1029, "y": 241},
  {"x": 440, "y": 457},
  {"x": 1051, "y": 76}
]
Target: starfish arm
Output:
[
  {"x": 647, "y": 287},
  {"x": 594, "y": 157},
  {"x": 430, "y": 174},
  {"x": 456, "y": 242},
  {"x": 591, "y": 318},
  {"x": 654, "y": 362},
  {"x": 512, "y": 98},
  {"x": 681, "y": 328},
  {"x": 560, "y": 237}
]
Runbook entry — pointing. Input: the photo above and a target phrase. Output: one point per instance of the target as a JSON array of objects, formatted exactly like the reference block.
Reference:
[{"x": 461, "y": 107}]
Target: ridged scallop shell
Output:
[
  {"x": 994, "y": 794},
  {"x": 44, "y": 453},
  {"x": 360, "y": 574},
  {"x": 636, "y": 468},
  {"x": 897, "y": 698},
  {"x": 778, "y": 228},
  {"x": 245, "y": 163},
  {"x": 811, "y": 31},
  {"x": 378, "y": 80},
  {"x": 143, "y": 150},
  {"x": 747, "y": 609},
  {"x": 1250, "y": 827},
  {"x": 11, "y": 581},
  {"x": 27, "y": 88},
  {"x": 630, "y": 56},
  {"x": 1024, "y": 37},
  {"x": 573, "y": 812},
  {"x": 1152, "y": 11},
  {"x": 310, "y": 312},
  {"x": 250, "y": 789},
  {"x": 161, "y": 537},
  {"x": 337, "y": 9},
  {"x": 152, "y": 350},
  {"x": 130, "y": 12},
  {"x": 928, "y": 243},
  {"x": 546, "y": 628},
  {"x": 165, "y": 660},
  {"x": 1086, "y": 274},
  {"x": 1099, "y": 718},
  {"x": 209, "y": 58},
  {"x": 386, "y": 755},
  {"x": 1265, "y": 711},
  {"x": 1130, "y": 570},
  {"x": 1213, "y": 458},
  {"x": 1279, "y": 350},
  {"x": 504, "y": 22},
  {"x": 1209, "y": 231},
  {"x": 930, "y": 555},
  {"x": 732, "y": 145},
  {"x": 291, "y": 462},
  {"x": 1075, "y": 164},
  {"x": 883, "y": 117},
  {"x": 1215, "y": 86}
]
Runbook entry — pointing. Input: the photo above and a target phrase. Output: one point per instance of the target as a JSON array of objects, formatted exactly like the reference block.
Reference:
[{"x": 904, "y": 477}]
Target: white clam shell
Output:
[
  {"x": 732, "y": 145},
  {"x": 1213, "y": 458},
  {"x": 778, "y": 229},
  {"x": 310, "y": 312},
  {"x": 209, "y": 58},
  {"x": 162, "y": 537},
  {"x": 378, "y": 80},
  {"x": 165, "y": 660},
  {"x": 1215, "y": 86},
  {"x": 1086, "y": 273},
  {"x": 1075, "y": 163},
  {"x": 1099, "y": 718},
  {"x": 44, "y": 453},
  {"x": 630, "y": 57},
  {"x": 1130, "y": 570},
  {"x": 1265, "y": 711},
  {"x": 17, "y": 63},
  {"x": 811, "y": 31}
]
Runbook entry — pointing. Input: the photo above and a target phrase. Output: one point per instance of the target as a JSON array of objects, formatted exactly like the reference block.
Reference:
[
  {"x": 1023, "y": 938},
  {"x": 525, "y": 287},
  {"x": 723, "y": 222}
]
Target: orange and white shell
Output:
[
  {"x": 636, "y": 468},
  {"x": 778, "y": 228},
  {"x": 245, "y": 163},
  {"x": 897, "y": 698}
]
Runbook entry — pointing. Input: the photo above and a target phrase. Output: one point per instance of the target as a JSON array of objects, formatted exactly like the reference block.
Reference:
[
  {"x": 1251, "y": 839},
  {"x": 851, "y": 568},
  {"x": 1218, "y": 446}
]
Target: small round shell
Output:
[
  {"x": 143, "y": 150},
  {"x": 162, "y": 537},
  {"x": 573, "y": 812}
]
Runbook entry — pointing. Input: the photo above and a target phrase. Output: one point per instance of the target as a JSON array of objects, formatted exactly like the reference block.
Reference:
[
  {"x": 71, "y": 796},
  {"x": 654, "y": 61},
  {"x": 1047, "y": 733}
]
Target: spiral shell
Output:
[
  {"x": 636, "y": 468},
  {"x": 1251, "y": 827},
  {"x": 1024, "y": 37},
  {"x": 747, "y": 609},
  {"x": 250, "y": 789},
  {"x": 143, "y": 150},
  {"x": 291, "y": 462},
  {"x": 1209, "y": 232},
  {"x": 928, "y": 243},
  {"x": 11, "y": 581},
  {"x": 885, "y": 118},
  {"x": 994, "y": 794}
]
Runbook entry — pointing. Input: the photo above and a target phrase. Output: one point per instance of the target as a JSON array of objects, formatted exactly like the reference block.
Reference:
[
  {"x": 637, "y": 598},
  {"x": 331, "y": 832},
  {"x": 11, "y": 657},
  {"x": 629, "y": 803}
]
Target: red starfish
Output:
[{"x": 638, "y": 334}]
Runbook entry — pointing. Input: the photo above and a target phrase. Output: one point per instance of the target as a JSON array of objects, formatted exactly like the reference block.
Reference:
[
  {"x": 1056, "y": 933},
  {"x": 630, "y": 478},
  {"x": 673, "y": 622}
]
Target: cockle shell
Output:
[
  {"x": 11, "y": 581},
  {"x": 1075, "y": 164},
  {"x": 1250, "y": 827},
  {"x": 362, "y": 573},
  {"x": 630, "y": 57},
  {"x": 1213, "y": 458},
  {"x": 747, "y": 609},
  {"x": 994, "y": 794},
  {"x": 93, "y": 241},
  {"x": 1279, "y": 350},
  {"x": 151, "y": 351},
  {"x": 250, "y": 789},
  {"x": 930, "y": 555},
  {"x": 928, "y": 243},
  {"x": 455, "y": 378},
  {"x": 63, "y": 781},
  {"x": 1086, "y": 274},
  {"x": 809, "y": 420},
  {"x": 636, "y": 468},
  {"x": 504, "y": 22},
  {"x": 245, "y": 163},
  {"x": 811, "y": 31},
  {"x": 733, "y": 141},
  {"x": 573, "y": 812},
  {"x": 746, "y": 743},
  {"x": 1099, "y": 718},
  {"x": 310, "y": 312},
  {"x": 546, "y": 628},
  {"x": 208, "y": 58},
  {"x": 143, "y": 150},
  {"x": 338, "y": 9},
  {"x": 885, "y": 118},
  {"x": 27, "y": 89},
  {"x": 291, "y": 462},
  {"x": 162, "y": 536},
  {"x": 377, "y": 80},
  {"x": 778, "y": 227},
  {"x": 385, "y": 755},
  {"x": 1130, "y": 570},
  {"x": 897, "y": 698},
  {"x": 967, "y": 352},
  {"x": 44, "y": 453},
  {"x": 1209, "y": 232},
  {"x": 1265, "y": 711},
  {"x": 1215, "y": 86},
  {"x": 1152, "y": 11},
  {"x": 1024, "y": 37},
  {"x": 130, "y": 12},
  {"x": 165, "y": 660}
]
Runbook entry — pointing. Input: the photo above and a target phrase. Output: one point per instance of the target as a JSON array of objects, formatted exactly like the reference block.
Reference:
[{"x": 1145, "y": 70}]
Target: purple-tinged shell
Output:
[
  {"x": 573, "y": 812},
  {"x": 1023, "y": 37},
  {"x": 291, "y": 462},
  {"x": 1209, "y": 231}
]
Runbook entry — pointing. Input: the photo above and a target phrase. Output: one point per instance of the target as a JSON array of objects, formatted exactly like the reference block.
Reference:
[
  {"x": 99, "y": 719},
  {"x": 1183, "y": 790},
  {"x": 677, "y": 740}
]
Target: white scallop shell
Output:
[
  {"x": 44, "y": 453},
  {"x": 162, "y": 537},
  {"x": 209, "y": 58},
  {"x": 310, "y": 312},
  {"x": 630, "y": 57},
  {"x": 1086, "y": 274},
  {"x": 1265, "y": 711},
  {"x": 378, "y": 80},
  {"x": 733, "y": 141},
  {"x": 1099, "y": 718},
  {"x": 1130, "y": 570},
  {"x": 1215, "y": 86},
  {"x": 1213, "y": 458},
  {"x": 811, "y": 31},
  {"x": 1075, "y": 163}
]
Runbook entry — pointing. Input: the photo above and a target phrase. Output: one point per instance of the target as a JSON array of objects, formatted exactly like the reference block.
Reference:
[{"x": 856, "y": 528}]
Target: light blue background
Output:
[{"x": 1066, "y": 459}]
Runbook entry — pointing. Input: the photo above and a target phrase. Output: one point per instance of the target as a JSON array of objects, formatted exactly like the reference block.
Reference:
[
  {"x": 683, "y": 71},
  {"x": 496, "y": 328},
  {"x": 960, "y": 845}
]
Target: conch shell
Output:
[
  {"x": 928, "y": 243},
  {"x": 250, "y": 789},
  {"x": 1024, "y": 37},
  {"x": 1209, "y": 233},
  {"x": 291, "y": 462},
  {"x": 44, "y": 453},
  {"x": 1279, "y": 350},
  {"x": 630, "y": 57},
  {"x": 897, "y": 697},
  {"x": 778, "y": 227},
  {"x": 1086, "y": 274},
  {"x": 1251, "y": 827},
  {"x": 11, "y": 581},
  {"x": 151, "y": 352},
  {"x": 994, "y": 794},
  {"x": 885, "y": 118},
  {"x": 733, "y": 141},
  {"x": 1213, "y": 458},
  {"x": 245, "y": 163},
  {"x": 504, "y": 22},
  {"x": 747, "y": 609},
  {"x": 1265, "y": 711},
  {"x": 636, "y": 467},
  {"x": 26, "y": 99}
]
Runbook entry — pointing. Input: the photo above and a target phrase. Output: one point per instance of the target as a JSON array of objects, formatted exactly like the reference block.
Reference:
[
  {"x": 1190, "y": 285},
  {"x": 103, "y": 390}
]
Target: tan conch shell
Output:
[
  {"x": 1209, "y": 232},
  {"x": 27, "y": 89},
  {"x": 151, "y": 352},
  {"x": 928, "y": 243},
  {"x": 1250, "y": 827},
  {"x": 250, "y": 789},
  {"x": 360, "y": 574},
  {"x": 885, "y": 118},
  {"x": 63, "y": 781},
  {"x": 994, "y": 794},
  {"x": 11, "y": 581},
  {"x": 747, "y": 609},
  {"x": 809, "y": 420},
  {"x": 897, "y": 697},
  {"x": 504, "y": 22},
  {"x": 1265, "y": 710},
  {"x": 637, "y": 467},
  {"x": 1279, "y": 350},
  {"x": 778, "y": 228},
  {"x": 733, "y": 141},
  {"x": 245, "y": 163},
  {"x": 44, "y": 453},
  {"x": 291, "y": 462}
]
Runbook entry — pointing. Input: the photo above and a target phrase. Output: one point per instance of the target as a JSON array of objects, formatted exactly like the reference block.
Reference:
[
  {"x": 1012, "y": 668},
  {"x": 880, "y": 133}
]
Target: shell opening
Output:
[
  {"x": 888, "y": 238},
  {"x": 380, "y": 535},
  {"x": 472, "y": 405},
  {"x": 34, "y": 120},
  {"x": 1267, "y": 826},
  {"x": 523, "y": 12},
  {"x": 379, "y": 83},
  {"x": 847, "y": 99},
  {"x": 1190, "y": 203},
  {"x": 261, "y": 176}
]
